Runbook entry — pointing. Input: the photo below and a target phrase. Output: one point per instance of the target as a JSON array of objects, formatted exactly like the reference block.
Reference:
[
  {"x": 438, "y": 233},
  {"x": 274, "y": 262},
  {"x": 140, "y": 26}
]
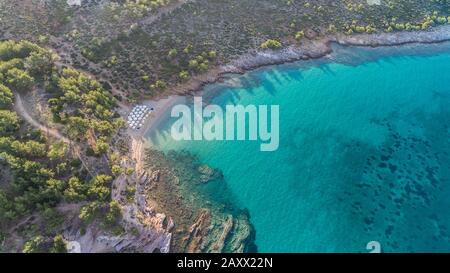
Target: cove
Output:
[
  {"x": 364, "y": 151},
  {"x": 234, "y": 127}
]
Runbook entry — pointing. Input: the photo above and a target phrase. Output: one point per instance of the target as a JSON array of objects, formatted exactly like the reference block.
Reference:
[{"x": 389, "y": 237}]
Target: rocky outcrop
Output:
[
  {"x": 220, "y": 243},
  {"x": 211, "y": 234},
  {"x": 310, "y": 49},
  {"x": 145, "y": 230},
  {"x": 201, "y": 223},
  {"x": 208, "y": 174},
  {"x": 193, "y": 241},
  {"x": 152, "y": 228}
]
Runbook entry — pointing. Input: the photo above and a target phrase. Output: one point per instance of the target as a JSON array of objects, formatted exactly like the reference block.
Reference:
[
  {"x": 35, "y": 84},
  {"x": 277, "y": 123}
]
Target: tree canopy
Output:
[
  {"x": 6, "y": 97},
  {"x": 44, "y": 172}
]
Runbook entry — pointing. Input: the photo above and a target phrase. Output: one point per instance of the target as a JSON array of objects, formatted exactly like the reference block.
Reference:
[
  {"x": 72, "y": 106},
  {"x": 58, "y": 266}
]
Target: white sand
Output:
[
  {"x": 161, "y": 108},
  {"x": 74, "y": 2},
  {"x": 374, "y": 2}
]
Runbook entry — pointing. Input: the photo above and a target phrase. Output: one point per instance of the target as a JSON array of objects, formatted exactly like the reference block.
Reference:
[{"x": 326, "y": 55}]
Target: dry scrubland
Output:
[{"x": 143, "y": 48}]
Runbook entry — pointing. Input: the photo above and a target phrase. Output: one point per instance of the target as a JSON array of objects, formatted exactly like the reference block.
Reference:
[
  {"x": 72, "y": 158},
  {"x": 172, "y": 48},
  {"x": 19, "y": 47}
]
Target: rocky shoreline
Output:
[
  {"x": 309, "y": 50},
  {"x": 201, "y": 223},
  {"x": 201, "y": 229}
]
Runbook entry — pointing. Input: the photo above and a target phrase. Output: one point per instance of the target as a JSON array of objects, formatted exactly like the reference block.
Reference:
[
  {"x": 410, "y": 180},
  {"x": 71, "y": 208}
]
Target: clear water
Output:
[{"x": 364, "y": 152}]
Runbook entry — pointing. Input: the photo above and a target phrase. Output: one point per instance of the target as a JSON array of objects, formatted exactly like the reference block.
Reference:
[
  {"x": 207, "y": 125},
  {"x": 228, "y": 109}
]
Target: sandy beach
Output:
[
  {"x": 159, "y": 112},
  {"x": 159, "y": 109},
  {"x": 313, "y": 49}
]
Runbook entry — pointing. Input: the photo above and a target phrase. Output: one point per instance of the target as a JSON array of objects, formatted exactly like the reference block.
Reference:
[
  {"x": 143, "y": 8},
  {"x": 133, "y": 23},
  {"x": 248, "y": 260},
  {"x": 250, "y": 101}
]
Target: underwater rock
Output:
[
  {"x": 200, "y": 223},
  {"x": 217, "y": 235},
  {"x": 208, "y": 174}
]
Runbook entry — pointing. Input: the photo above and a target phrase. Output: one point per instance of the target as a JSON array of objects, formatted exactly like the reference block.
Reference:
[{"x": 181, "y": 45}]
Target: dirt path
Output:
[{"x": 20, "y": 109}]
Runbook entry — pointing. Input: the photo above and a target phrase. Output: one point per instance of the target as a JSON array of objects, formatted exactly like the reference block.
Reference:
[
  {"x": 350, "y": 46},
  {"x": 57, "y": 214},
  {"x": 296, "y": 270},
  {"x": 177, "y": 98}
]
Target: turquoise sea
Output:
[{"x": 364, "y": 152}]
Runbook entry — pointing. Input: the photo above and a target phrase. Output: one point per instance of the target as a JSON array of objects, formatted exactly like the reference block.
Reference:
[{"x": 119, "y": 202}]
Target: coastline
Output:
[
  {"x": 309, "y": 50},
  {"x": 138, "y": 140},
  {"x": 159, "y": 108},
  {"x": 337, "y": 116}
]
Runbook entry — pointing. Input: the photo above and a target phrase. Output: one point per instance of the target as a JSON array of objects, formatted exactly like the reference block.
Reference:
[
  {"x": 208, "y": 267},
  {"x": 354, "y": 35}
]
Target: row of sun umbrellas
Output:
[{"x": 138, "y": 115}]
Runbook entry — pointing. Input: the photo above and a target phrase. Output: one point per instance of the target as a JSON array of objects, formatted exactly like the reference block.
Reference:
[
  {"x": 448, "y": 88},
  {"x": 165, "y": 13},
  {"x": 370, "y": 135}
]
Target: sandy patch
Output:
[
  {"x": 374, "y": 2},
  {"x": 74, "y": 2}
]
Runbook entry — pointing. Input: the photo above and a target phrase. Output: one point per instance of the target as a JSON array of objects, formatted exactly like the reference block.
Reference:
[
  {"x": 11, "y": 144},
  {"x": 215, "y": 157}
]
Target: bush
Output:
[
  {"x": 59, "y": 245},
  {"x": 271, "y": 44},
  {"x": 299, "y": 35},
  {"x": 184, "y": 75},
  {"x": 9, "y": 122},
  {"x": 35, "y": 245},
  {"x": 6, "y": 97},
  {"x": 19, "y": 80}
]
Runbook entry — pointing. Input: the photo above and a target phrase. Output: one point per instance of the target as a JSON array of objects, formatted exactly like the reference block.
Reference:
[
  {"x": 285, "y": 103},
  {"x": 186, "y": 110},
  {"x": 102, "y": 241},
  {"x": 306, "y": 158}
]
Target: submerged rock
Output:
[
  {"x": 200, "y": 222},
  {"x": 208, "y": 174}
]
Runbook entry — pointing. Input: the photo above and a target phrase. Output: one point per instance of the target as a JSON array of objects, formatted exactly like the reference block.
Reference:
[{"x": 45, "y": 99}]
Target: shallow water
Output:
[{"x": 363, "y": 156}]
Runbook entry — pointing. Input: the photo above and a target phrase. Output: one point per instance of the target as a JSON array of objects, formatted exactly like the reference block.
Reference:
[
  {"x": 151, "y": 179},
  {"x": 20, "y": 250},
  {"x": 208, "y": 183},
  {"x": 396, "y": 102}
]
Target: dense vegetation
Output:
[{"x": 44, "y": 173}]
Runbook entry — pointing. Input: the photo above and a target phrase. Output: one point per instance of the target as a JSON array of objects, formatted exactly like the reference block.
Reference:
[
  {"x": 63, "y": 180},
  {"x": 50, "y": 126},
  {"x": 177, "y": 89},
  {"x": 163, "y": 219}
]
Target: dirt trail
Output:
[{"x": 20, "y": 109}]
